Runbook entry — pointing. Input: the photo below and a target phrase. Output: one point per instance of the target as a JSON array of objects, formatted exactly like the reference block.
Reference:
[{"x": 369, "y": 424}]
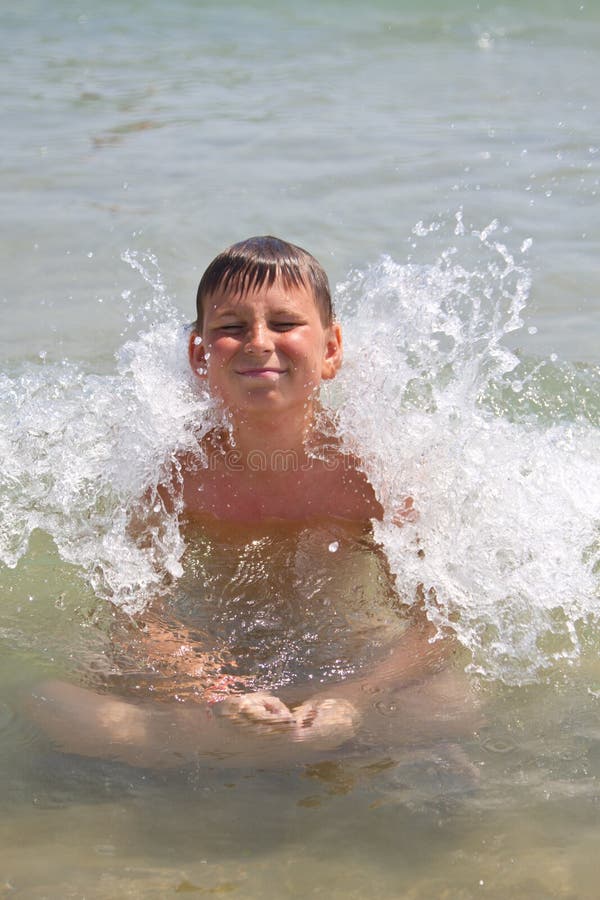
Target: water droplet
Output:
[
  {"x": 420, "y": 230},
  {"x": 485, "y": 41}
]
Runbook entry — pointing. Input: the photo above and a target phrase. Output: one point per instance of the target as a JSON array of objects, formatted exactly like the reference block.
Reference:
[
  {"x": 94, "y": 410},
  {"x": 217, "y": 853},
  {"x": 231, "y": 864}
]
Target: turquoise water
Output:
[
  {"x": 180, "y": 127},
  {"x": 444, "y": 166}
]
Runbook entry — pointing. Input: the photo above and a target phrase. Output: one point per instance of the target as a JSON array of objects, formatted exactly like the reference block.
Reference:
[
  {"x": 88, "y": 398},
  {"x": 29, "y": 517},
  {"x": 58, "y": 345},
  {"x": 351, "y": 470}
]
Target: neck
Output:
[{"x": 271, "y": 437}]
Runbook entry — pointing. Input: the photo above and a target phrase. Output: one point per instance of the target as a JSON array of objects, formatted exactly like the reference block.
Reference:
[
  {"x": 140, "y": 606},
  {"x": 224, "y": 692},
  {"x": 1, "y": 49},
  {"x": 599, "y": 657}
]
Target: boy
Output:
[{"x": 263, "y": 342}]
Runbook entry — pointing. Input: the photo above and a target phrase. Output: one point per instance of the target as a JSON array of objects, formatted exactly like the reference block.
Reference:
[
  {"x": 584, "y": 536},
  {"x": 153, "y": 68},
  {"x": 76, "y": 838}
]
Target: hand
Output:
[
  {"x": 328, "y": 720},
  {"x": 259, "y": 707}
]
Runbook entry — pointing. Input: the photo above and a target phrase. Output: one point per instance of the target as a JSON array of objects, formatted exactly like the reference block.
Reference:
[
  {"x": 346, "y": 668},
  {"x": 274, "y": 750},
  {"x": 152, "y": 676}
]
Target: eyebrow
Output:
[
  {"x": 236, "y": 311},
  {"x": 226, "y": 312},
  {"x": 286, "y": 311}
]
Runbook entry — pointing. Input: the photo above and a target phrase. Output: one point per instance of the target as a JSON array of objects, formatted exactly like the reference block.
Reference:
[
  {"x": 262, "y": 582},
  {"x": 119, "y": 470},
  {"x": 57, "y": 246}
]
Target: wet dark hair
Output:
[{"x": 250, "y": 264}]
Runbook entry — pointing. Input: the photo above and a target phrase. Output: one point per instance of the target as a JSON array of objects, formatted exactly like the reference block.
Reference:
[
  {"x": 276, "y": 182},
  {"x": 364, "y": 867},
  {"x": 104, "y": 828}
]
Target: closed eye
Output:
[
  {"x": 284, "y": 326},
  {"x": 233, "y": 328}
]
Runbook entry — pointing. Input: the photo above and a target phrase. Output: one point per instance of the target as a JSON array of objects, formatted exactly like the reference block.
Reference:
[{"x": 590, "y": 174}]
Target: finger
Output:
[
  {"x": 306, "y": 713},
  {"x": 262, "y": 707},
  {"x": 276, "y": 709}
]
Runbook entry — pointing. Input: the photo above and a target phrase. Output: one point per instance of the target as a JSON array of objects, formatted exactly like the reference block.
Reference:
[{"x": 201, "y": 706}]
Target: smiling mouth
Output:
[{"x": 261, "y": 372}]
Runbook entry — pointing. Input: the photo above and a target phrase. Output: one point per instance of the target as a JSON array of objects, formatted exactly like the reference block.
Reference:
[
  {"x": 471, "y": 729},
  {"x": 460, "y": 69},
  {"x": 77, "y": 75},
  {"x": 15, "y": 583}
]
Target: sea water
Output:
[{"x": 444, "y": 165}]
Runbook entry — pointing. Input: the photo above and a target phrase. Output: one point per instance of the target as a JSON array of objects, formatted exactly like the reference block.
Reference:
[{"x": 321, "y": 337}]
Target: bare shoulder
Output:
[
  {"x": 355, "y": 496},
  {"x": 202, "y": 458}
]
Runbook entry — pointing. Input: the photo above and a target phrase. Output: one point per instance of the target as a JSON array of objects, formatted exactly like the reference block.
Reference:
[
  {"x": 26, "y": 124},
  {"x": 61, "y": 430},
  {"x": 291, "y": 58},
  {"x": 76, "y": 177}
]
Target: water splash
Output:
[
  {"x": 499, "y": 453},
  {"x": 80, "y": 450},
  {"x": 508, "y": 495}
]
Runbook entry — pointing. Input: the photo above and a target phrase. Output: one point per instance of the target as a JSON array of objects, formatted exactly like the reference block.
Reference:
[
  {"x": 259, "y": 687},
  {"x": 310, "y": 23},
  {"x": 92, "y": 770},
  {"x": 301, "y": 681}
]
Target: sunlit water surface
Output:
[{"x": 447, "y": 177}]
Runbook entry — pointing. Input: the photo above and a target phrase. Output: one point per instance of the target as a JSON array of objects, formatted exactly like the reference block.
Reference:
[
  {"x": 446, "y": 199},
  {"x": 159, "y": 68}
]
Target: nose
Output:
[{"x": 258, "y": 339}]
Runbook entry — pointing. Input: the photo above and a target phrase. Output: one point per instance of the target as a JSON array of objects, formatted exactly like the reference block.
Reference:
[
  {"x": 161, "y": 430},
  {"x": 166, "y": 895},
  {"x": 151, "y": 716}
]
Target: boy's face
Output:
[{"x": 266, "y": 351}]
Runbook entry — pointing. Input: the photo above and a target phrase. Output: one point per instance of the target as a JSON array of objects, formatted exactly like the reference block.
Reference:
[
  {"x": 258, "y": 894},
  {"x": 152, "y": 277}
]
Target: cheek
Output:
[
  {"x": 217, "y": 355},
  {"x": 219, "y": 351},
  {"x": 302, "y": 352}
]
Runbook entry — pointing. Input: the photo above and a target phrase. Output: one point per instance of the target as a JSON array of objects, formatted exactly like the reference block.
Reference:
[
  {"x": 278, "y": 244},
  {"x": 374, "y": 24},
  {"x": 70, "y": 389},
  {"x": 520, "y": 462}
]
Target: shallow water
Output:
[{"x": 444, "y": 166}]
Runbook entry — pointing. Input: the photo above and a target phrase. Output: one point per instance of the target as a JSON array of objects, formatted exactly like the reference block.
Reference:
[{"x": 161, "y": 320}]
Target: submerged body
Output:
[
  {"x": 279, "y": 644},
  {"x": 262, "y": 609}
]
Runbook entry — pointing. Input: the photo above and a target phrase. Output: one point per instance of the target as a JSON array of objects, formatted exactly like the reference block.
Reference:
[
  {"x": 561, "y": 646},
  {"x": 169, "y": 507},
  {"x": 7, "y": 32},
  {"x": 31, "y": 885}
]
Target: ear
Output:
[
  {"x": 196, "y": 355},
  {"x": 332, "y": 358}
]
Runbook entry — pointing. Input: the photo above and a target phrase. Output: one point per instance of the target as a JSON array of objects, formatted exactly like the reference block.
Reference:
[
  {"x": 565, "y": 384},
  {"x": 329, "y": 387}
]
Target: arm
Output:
[
  {"x": 254, "y": 728},
  {"x": 162, "y": 735},
  {"x": 411, "y": 683},
  {"x": 418, "y": 654},
  {"x": 414, "y": 693},
  {"x": 414, "y": 659},
  {"x": 165, "y": 646}
]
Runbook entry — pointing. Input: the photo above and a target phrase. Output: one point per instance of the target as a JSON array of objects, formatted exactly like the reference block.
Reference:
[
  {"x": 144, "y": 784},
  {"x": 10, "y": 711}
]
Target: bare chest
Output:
[{"x": 297, "y": 496}]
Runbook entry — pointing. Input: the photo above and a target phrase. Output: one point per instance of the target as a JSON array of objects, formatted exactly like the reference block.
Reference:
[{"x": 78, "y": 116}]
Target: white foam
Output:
[
  {"x": 509, "y": 503},
  {"x": 79, "y": 450}
]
